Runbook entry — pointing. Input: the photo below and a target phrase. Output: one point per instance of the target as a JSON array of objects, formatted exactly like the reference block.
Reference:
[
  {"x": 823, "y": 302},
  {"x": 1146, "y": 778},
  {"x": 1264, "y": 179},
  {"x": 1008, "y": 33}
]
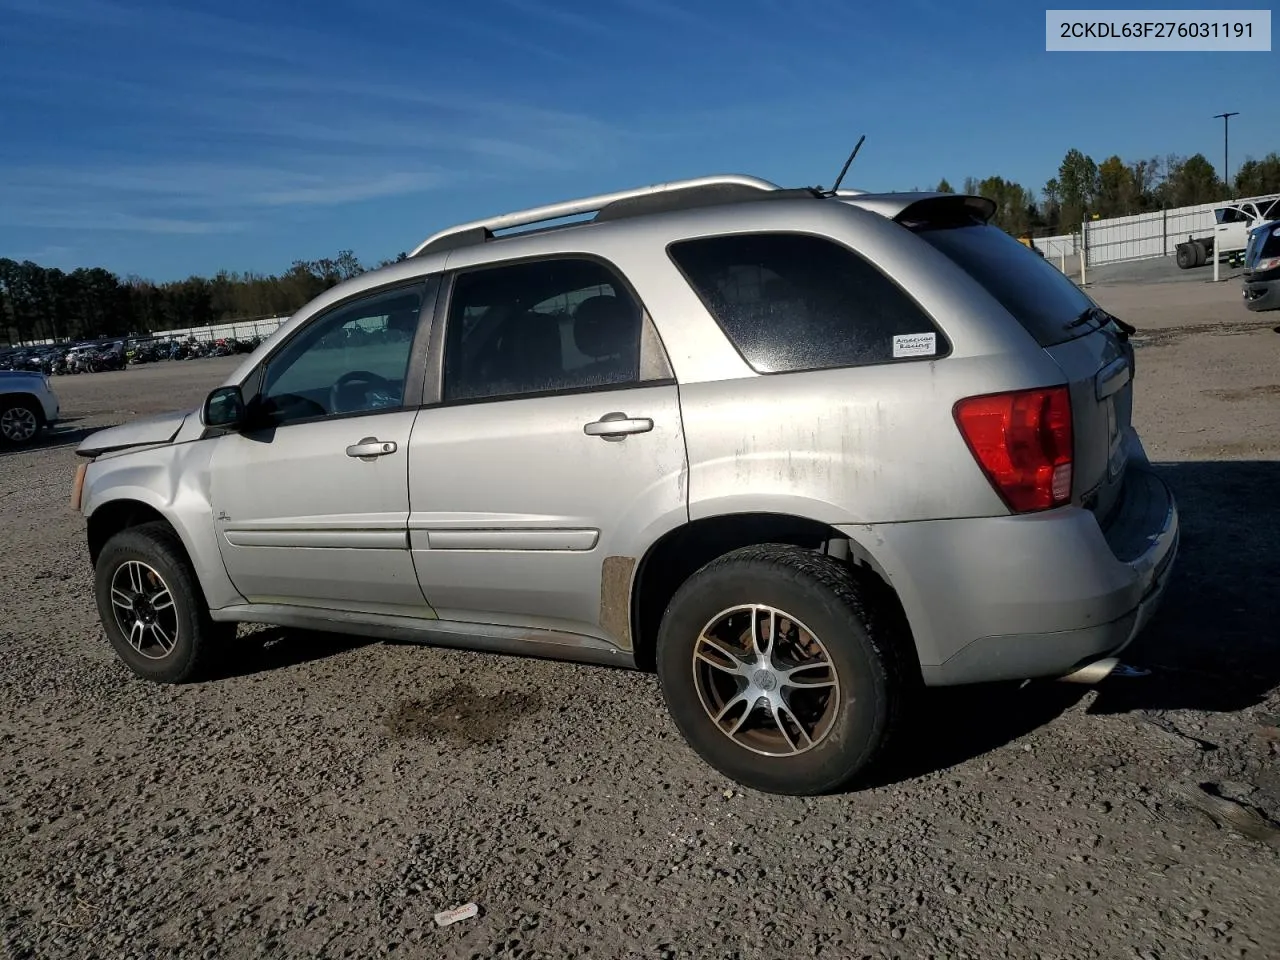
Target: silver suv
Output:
[
  {"x": 28, "y": 405},
  {"x": 800, "y": 451}
]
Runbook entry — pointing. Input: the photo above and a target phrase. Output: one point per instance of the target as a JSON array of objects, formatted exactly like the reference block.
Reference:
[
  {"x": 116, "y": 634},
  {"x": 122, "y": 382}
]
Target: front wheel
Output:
[
  {"x": 151, "y": 606},
  {"x": 778, "y": 669},
  {"x": 20, "y": 421}
]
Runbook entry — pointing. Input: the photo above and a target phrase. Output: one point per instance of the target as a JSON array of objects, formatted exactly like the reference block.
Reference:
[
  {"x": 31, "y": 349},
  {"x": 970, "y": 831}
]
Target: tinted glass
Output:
[
  {"x": 790, "y": 302},
  {"x": 1263, "y": 244},
  {"x": 1271, "y": 242},
  {"x": 1040, "y": 297},
  {"x": 350, "y": 361},
  {"x": 540, "y": 327}
]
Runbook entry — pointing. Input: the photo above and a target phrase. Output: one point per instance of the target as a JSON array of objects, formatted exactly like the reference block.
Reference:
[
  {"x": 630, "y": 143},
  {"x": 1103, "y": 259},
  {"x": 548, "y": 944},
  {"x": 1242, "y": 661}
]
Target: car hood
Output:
[
  {"x": 8, "y": 376},
  {"x": 148, "y": 431}
]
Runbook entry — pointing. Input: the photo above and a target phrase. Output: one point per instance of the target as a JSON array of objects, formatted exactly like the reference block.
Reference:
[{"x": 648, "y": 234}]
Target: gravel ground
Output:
[{"x": 327, "y": 797}]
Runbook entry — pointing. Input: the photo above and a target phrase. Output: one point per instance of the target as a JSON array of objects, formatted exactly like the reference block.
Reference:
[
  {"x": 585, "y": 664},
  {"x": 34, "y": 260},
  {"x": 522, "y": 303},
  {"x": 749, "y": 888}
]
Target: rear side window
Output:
[
  {"x": 540, "y": 327},
  {"x": 1041, "y": 297},
  {"x": 793, "y": 302}
]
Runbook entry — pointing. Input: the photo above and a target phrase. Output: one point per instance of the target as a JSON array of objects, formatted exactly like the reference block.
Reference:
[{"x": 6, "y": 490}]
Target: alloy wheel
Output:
[
  {"x": 765, "y": 680},
  {"x": 18, "y": 424},
  {"x": 144, "y": 609}
]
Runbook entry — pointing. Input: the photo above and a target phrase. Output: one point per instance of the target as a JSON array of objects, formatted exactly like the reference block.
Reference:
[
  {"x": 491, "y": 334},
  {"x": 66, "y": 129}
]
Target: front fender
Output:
[{"x": 173, "y": 481}]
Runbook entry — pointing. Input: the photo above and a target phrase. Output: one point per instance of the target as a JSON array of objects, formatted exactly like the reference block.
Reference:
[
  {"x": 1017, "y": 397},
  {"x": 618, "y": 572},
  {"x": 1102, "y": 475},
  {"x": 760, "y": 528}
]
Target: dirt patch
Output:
[
  {"x": 1164, "y": 336},
  {"x": 462, "y": 714},
  {"x": 1246, "y": 394},
  {"x": 615, "y": 597},
  {"x": 1247, "y": 449}
]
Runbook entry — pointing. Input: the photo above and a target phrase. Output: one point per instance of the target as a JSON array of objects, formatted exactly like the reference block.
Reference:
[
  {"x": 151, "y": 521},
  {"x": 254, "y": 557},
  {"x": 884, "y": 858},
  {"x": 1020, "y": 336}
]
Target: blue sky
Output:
[{"x": 165, "y": 139}]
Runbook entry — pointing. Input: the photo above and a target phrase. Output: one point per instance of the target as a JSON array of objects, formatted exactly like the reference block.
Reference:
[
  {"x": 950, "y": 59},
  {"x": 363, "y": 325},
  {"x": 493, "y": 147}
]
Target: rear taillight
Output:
[
  {"x": 1271, "y": 263},
  {"x": 1022, "y": 441}
]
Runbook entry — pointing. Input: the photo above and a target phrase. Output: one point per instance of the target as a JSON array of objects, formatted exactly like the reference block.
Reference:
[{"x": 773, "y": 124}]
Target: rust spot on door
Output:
[{"x": 615, "y": 598}]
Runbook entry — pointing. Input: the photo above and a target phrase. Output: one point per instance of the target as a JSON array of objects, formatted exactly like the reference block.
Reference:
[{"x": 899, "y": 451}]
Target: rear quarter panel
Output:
[{"x": 870, "y": 444}]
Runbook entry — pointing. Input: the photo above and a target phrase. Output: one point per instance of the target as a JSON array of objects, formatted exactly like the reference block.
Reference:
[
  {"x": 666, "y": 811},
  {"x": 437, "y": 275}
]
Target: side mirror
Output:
[{"x": 224, "y": 407}]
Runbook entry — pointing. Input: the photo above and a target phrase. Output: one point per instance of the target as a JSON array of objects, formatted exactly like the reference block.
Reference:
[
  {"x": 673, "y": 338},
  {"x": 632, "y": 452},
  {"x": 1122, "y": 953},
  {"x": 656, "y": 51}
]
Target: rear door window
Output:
[
  {"x": 795, "y": 302},
  {"x": 546, "y": 326},
  {"x": 1045, "y": 301}
]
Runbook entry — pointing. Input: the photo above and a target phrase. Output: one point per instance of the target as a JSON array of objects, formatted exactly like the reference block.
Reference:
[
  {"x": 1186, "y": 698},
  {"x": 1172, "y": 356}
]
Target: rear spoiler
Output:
[{"x": 933, "y": 209}]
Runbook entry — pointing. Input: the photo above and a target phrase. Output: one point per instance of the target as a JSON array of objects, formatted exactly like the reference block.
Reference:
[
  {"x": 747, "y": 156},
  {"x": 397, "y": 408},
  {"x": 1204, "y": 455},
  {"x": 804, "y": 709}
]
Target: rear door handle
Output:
[
  {"x": 370, "y": 448},
  {"x": 616, "y": 426}
]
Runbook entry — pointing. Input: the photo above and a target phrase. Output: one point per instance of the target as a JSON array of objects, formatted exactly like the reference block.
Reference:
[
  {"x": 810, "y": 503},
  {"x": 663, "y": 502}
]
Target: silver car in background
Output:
[
  {"x": 801, "y": 452},
  {"x": 28, "y": 406}
]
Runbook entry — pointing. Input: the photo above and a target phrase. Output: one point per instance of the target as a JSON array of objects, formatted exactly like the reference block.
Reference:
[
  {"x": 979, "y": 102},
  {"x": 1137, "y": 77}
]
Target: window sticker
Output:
[{"x": 915, "y": 345}]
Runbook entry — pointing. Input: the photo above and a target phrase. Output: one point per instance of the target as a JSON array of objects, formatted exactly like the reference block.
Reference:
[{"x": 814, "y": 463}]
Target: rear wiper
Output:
[
  {"x": 1090, "y": 313},
  {"x": 1103, "y": 317}
]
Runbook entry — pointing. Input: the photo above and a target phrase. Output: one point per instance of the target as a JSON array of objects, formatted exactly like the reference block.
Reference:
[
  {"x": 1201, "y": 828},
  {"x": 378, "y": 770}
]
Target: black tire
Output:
[
  {"x": 197, "y": 639},
  {"x": 1202, "y": 255},
  {"x": 849, "y": 621},
  {"x": 25, "y": 407},
  {"x": 1186, "y": 256}
]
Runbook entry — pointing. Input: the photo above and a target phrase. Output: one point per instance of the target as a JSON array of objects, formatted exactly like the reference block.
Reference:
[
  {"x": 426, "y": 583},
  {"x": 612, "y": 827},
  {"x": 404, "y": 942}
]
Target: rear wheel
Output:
[
  {"x": 21, "y": 420},
  {"x": 1202, "y": 255},
  {"x": 151, "y": 606},
  {"x": 779, "y": 671},
  {"x": 1186, "y": 256}
]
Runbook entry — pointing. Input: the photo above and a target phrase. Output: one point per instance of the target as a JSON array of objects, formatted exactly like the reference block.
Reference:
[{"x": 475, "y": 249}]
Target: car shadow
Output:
[
  {"x": 1213, "y": 646},
  {"x": 265, "y": 649},
  {"x": 61, "y": 436}
]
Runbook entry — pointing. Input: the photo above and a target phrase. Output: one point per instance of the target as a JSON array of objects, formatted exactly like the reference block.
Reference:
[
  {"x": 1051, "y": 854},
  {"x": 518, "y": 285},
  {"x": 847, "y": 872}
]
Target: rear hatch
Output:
[{"x": 1090, "y": 345}]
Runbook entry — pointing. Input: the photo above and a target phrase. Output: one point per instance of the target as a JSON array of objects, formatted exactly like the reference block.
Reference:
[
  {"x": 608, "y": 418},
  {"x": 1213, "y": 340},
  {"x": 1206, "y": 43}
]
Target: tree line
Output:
[
  {"x": 45, "y": 303},
  {"x": 1085, "y": 189}
]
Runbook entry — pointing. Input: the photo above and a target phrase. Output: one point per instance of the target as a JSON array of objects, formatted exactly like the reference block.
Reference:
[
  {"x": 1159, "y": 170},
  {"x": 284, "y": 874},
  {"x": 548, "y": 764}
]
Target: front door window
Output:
[{"x": 353, "y": 361}]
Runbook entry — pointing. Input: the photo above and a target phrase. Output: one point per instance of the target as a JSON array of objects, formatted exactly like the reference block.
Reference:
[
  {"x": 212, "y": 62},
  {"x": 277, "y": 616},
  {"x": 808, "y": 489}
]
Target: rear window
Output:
[
  {"x": 1038, "y": 294},
  {"x": 794, "y": 302}
]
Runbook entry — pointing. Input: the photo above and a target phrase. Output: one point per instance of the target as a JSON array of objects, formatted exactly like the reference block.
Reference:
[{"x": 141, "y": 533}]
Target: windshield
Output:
[{"x": 1047, "y": 303}]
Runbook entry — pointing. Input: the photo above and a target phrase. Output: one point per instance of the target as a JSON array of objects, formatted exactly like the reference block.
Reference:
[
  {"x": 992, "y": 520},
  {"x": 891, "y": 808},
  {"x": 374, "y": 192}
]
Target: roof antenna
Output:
[{"x": 840, "y": 179}]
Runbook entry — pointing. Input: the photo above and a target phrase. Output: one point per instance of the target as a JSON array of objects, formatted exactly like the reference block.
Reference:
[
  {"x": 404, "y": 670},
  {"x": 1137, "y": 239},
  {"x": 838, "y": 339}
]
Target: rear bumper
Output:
[
  {"x": 1261, "y": 295},
  {"x": 1010, "y": 598}
]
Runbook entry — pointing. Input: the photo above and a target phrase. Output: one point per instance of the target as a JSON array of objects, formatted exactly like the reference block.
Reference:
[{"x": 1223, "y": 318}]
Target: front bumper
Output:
[
  {"x": 1021, "y": 597},
  {"x": 1262, "y": 295},
  {"x": 49, "y": 405}
]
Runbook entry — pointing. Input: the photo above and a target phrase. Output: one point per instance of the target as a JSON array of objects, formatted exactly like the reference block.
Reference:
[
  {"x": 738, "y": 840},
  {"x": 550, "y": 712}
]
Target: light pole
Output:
[{"x": 1226, "y": 143}]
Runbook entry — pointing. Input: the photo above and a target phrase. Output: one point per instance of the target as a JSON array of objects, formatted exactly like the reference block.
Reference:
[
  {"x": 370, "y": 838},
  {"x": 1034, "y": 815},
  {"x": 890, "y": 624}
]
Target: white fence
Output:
[
  {"x": 1055, "y": 248},
  {"x": 1147, "y": 235},
  {"x": 1142, "y": 236},
  {"x": 237, "y": 329}
]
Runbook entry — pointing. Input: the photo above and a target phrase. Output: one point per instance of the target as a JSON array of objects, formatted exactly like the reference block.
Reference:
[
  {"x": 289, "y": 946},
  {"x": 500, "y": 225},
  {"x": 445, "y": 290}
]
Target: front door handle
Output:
[
  {"x": 371, "y": 448},
  {"x": 616, "y": 426}
]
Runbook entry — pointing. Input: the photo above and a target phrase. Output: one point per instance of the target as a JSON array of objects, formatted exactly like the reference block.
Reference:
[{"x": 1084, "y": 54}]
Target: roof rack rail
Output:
[{"x": 695, "y": 192}]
